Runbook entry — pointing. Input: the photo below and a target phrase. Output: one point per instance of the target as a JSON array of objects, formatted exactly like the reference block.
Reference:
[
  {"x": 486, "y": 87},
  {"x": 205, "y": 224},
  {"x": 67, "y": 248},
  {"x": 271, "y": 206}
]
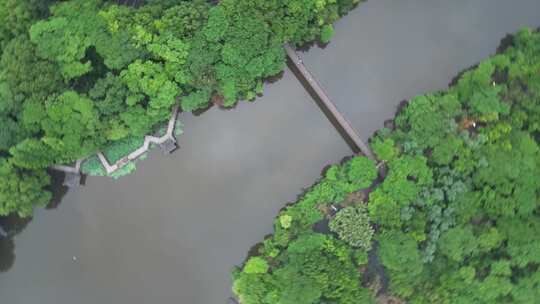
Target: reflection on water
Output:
[
  {"x": 9, "y": 227},
  {"x": 12, "y": 225},
  {"x": 57, "y": 189},
  {"x": 7, "y": 253}
]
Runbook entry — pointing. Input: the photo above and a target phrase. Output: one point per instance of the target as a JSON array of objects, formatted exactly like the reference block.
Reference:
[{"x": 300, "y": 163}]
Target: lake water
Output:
[{"x": 171, "y": 232}]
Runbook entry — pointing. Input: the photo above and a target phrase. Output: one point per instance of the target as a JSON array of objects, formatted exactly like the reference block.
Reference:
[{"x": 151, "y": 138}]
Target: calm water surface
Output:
[{"x": 171, "y": 232}]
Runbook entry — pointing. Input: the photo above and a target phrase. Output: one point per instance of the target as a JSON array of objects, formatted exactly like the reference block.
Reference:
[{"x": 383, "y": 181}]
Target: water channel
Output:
[{"x": 170, "y": 232}]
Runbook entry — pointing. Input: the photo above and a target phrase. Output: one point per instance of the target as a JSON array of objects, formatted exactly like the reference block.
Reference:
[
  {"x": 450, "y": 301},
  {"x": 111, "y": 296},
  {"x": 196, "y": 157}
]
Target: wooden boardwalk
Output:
[
  {"x": 350, "y": 132},
  {"x": 167, "y": 139}
]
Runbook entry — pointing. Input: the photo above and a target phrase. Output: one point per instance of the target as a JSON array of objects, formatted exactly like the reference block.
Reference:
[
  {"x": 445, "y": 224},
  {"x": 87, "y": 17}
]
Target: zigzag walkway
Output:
[{"x": 168, "y": 143}]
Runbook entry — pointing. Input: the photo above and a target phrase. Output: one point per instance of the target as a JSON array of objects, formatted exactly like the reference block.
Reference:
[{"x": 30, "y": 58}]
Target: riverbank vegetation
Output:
[
  {"x": 81, "y": 76},
  {"x": 453, "y": 217}
]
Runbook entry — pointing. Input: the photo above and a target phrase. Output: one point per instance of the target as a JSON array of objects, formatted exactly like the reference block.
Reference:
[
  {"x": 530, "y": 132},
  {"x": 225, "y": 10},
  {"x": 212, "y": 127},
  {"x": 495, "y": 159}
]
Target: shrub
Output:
[{"x": 352, "y": 225}]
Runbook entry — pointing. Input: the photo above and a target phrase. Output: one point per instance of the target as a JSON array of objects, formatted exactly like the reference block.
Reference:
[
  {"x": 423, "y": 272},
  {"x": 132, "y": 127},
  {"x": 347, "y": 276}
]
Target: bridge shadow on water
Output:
[
  {"x": 324, "y": 109},
  {"x": 12, "y": 225}
]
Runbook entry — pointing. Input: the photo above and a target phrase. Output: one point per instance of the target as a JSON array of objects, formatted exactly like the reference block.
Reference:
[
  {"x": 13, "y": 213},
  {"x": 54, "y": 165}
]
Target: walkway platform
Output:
[
  {"x": 72, "y": 179},
  {"x": 169, "y": 146}
]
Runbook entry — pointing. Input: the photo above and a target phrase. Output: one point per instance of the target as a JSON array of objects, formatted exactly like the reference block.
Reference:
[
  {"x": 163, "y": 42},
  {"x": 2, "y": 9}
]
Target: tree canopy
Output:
[
  {"x": 79, "y": 76},
  {"x": 455, "y": 217}
]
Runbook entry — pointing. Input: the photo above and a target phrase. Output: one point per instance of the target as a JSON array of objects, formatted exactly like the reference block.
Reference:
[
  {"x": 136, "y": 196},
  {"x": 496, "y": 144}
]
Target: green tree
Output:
[
  {"x": 256, "y": 265},
  {"x": 73, "y": 119},
  {"x": 352, "y": 225},
  {"x": 327, "y": 32},
  {"x": 458, "y": 243},
  {"x": 32, "y": 153},
  {"x": 400, "y": 256},
  {"x": 148, "y": 80}
]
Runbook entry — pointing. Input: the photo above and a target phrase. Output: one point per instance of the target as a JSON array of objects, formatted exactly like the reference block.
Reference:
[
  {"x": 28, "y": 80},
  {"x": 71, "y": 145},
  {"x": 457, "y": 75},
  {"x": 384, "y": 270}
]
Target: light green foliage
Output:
[
  {"x": 285, "y": 221},
  {"x": 456, "y": 212},
  {"x": 361, "y": 257},
  {"x": 75, "y": 27},
  {"x": 256, "y": 265},
  {"x": 148, "y": 79},
  {"x": 92, "y": 166},
  {"x": 357, "y": 173},
  {"x": 352, "y": 225},
  {"x": 65, "y": 38},
  {"x": 174, "y": 52},
  {"x": 384, "y": 149},
  {"x": 120, "y": 149},
  {"x": 217, "y": 24}
]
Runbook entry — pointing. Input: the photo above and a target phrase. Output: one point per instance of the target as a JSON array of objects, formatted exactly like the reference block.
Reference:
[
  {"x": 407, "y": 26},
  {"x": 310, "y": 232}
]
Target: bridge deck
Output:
[{"x": 328, "y": 104}]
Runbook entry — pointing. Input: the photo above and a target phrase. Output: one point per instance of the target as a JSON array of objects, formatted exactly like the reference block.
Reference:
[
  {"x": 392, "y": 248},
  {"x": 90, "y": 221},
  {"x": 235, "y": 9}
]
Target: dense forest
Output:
[
  {"x": 449, "y": 214},
  {"x": 77, "y": 76}
]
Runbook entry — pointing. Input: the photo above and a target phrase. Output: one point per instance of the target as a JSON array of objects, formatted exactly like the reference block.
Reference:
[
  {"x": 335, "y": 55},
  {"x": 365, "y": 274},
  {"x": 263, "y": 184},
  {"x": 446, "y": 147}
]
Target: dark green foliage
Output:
[
  {"x": 401, "y": 258},
  {"x": 21, "y": 190},
  {"x": 16, "y": 16},
  {"x": 26, "y": 75}
]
